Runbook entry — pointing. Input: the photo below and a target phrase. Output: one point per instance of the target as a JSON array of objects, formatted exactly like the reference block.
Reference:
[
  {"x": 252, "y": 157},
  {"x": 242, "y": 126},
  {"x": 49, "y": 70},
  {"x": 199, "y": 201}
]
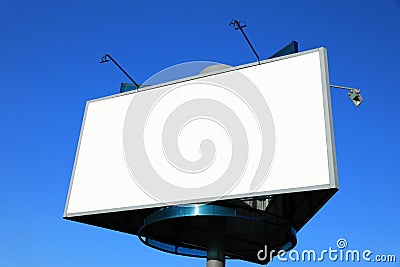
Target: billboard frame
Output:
[{"x": 331, "y": 151}]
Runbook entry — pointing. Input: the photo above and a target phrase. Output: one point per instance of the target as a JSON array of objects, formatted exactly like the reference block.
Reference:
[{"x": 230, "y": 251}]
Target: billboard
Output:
[{"x": 241, "y": 132}]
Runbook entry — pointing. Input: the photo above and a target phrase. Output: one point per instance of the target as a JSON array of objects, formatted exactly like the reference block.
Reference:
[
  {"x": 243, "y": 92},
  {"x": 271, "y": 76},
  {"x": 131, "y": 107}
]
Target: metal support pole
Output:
[
  {"x": 215, "y": 263},
  {"x": 215, "y": 256},
  {"x": 216, "y": 246}
]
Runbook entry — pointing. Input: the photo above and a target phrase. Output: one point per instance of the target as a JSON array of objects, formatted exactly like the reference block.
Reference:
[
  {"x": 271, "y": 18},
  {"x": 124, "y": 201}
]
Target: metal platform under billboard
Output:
[{"x": 256, "y": 138}]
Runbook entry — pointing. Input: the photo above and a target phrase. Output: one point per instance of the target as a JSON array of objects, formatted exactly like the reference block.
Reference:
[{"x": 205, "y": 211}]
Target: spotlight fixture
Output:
[
  {"x": 104, "y": 59},
  {"x": 354, "y": 94}
]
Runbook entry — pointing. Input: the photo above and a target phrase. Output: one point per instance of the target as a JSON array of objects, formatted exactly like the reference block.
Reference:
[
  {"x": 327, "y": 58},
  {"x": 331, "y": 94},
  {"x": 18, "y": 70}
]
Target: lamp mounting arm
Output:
[{"x": 108, "y": 57}]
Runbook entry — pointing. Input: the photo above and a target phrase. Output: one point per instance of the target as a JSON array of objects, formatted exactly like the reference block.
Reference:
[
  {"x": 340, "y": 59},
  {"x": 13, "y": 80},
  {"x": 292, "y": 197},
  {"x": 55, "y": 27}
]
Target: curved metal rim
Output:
[
  {"x": 175, "y": 212},
  {"x": 188, "y": 211}
]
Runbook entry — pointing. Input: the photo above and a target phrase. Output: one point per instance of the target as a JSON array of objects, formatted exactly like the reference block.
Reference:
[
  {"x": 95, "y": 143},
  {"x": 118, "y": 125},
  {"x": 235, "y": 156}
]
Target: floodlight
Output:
[
  {"x": 104, "y": 59},
  {"x": 237, "y": 24},
  {"x": 354, "y": 94},
  {"x": 355, "y": 97}
]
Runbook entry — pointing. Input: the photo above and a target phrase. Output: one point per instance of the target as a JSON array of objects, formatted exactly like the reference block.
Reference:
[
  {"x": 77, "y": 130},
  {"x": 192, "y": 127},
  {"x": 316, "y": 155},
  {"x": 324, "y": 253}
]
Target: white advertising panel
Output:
[{"x": 252, "y": 130}]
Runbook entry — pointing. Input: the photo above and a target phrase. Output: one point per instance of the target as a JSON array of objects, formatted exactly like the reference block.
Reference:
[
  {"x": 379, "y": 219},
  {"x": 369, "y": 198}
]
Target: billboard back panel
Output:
[{"x": 253, "y": 130}]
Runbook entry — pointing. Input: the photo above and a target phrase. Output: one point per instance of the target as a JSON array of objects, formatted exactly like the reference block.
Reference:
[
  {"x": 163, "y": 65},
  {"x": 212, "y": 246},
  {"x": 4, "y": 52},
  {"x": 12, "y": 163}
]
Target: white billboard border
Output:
[{"x": 330, "y": 141}]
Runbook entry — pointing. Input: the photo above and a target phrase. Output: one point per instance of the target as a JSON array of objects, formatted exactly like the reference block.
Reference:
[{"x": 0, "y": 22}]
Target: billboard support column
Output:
[
  {"x": 215, "y": 263},
  {"x": 216, "y": 246}
]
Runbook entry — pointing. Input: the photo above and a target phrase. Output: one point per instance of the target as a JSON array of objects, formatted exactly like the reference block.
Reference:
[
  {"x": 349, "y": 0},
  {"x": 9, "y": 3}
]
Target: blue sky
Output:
[{"x": 49, "y": 69}]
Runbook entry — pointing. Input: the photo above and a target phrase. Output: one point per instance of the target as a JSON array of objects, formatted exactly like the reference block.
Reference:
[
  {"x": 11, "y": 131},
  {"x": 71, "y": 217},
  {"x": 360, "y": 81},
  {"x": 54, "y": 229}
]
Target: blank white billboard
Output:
[{"x": 252, "y": 130}]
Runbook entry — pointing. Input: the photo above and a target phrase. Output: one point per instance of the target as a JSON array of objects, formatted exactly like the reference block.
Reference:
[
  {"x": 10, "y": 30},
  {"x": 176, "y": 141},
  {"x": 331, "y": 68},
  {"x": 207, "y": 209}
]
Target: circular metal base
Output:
[{"x": 192, "y": 230}]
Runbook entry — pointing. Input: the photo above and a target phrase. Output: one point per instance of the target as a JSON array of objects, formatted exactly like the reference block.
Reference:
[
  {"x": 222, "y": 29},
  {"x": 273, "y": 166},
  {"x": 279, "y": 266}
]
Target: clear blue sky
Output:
[{"x": 49, "y": 68}]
